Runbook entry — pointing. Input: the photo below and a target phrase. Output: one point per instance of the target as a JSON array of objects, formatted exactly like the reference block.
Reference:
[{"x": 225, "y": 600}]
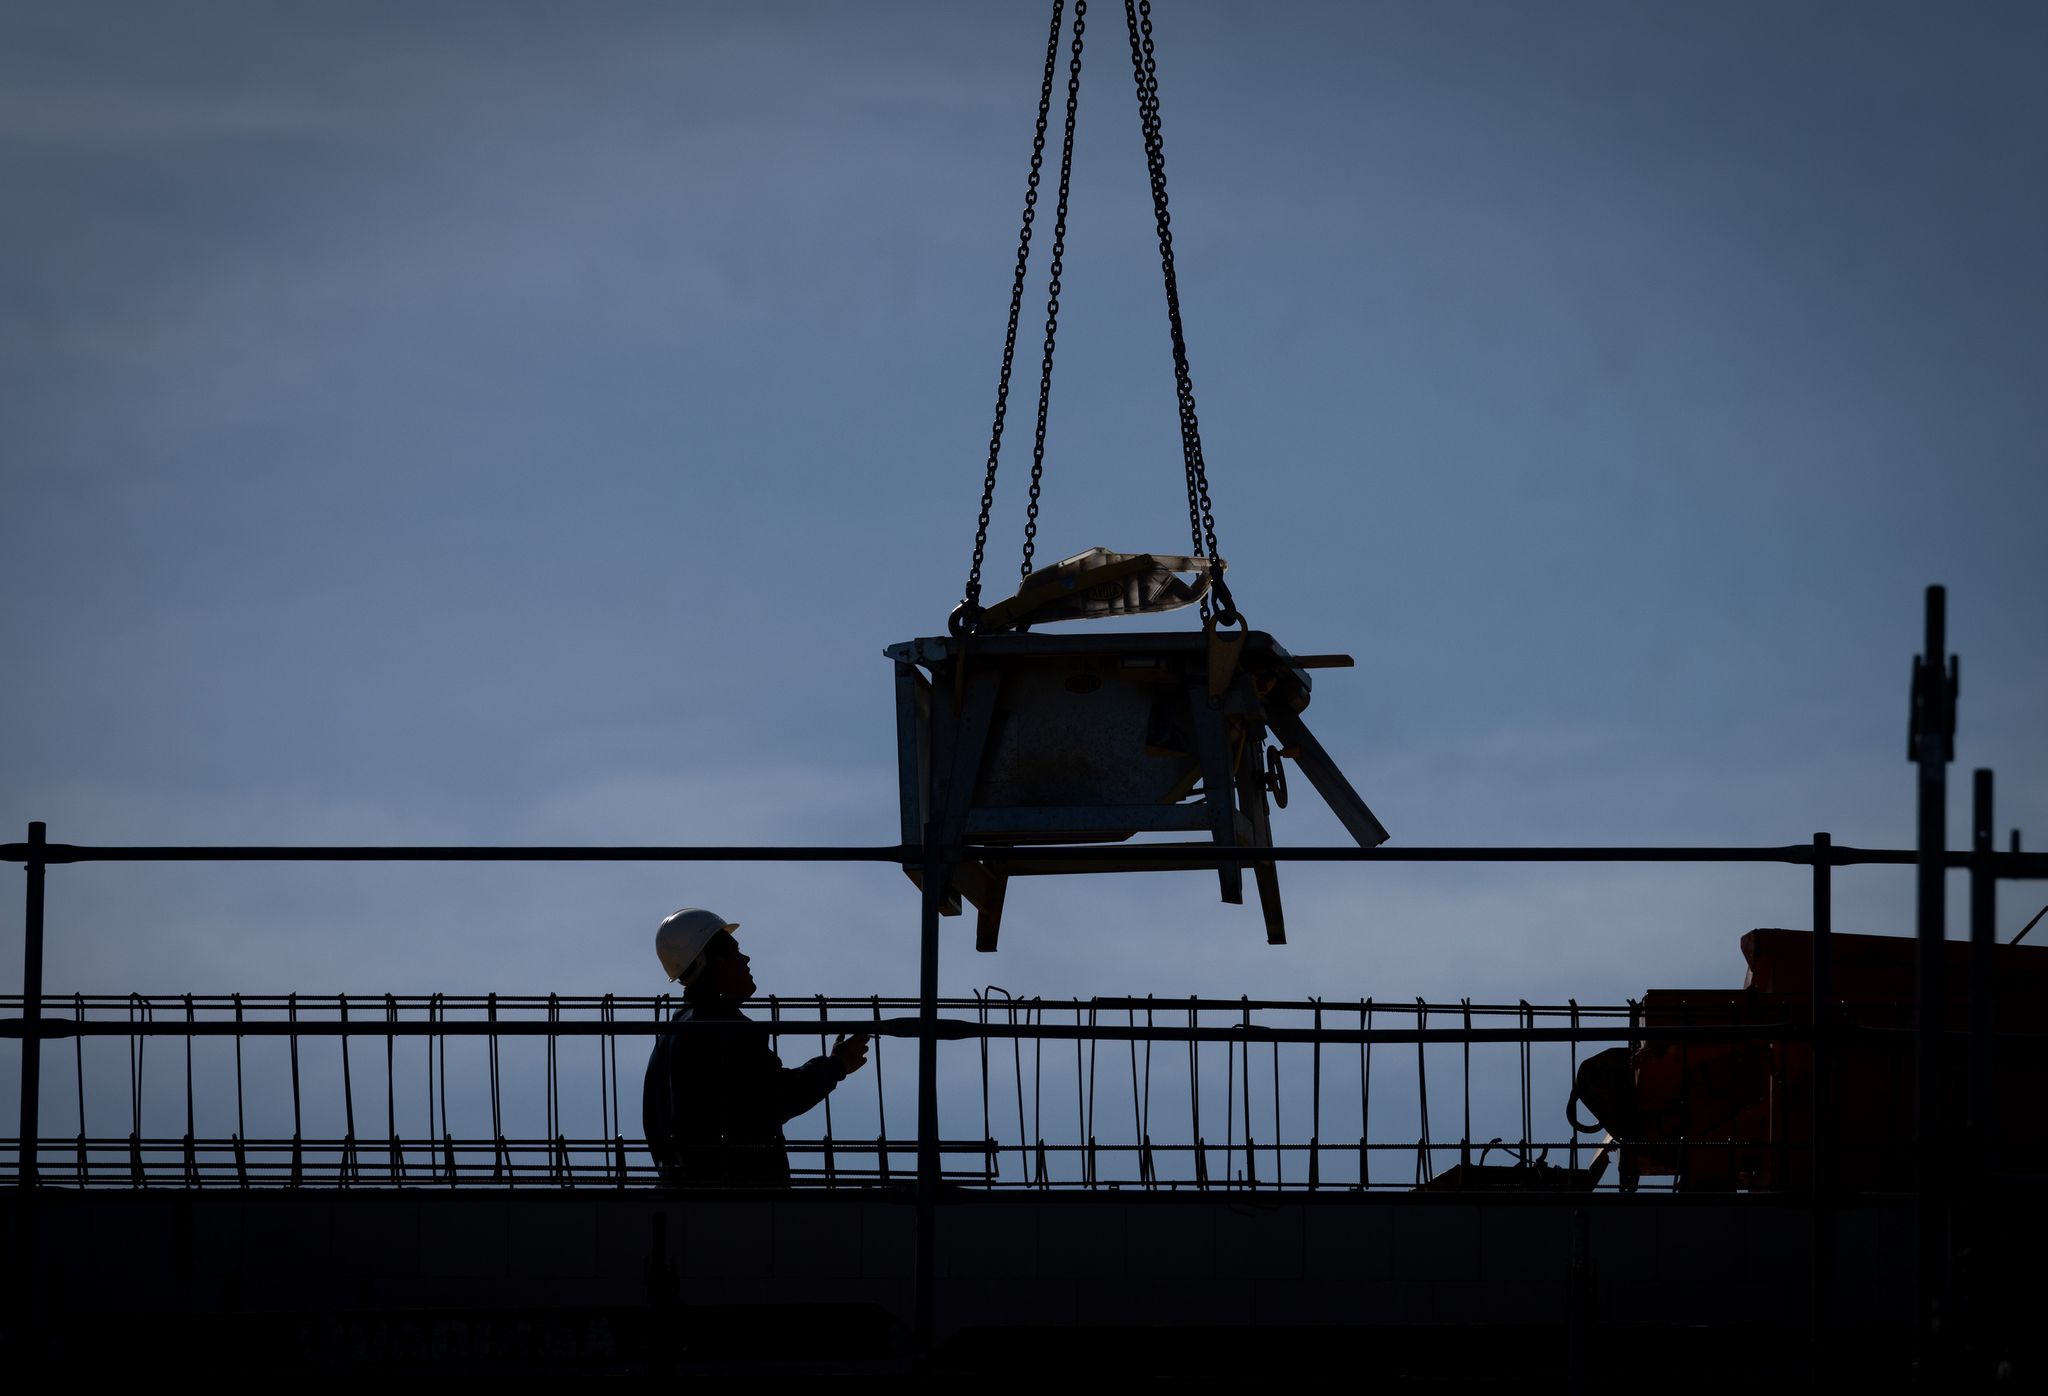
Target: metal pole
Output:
[
  {"x": 1823, "y": 1140},
  {"x": 1934, "y": 742},
  {"x": 1009, "y": 858},
  {"x": 1977, "y": 1238},
  {"x": 936, "y": 874},
  {"x": 1983, "y": 935},
  {"x": 31, "y": 1011}
]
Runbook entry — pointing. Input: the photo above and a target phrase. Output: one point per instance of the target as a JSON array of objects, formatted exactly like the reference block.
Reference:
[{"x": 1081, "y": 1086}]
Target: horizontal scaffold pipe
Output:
[
  {"x": 948, "y": 1029},
  {"x": 2003, "y": 865},
  {"x": 454, "y": 853},
  {"x": 868, "y": 1004}
]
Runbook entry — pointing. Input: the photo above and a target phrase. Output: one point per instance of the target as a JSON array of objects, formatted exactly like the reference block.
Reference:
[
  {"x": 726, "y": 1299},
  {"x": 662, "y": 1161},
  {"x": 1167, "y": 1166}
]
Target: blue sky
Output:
[{"x": 513, "y": 423}]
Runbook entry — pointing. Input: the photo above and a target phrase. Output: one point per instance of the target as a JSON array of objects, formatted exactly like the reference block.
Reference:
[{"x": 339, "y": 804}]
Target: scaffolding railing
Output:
[
  {"x": 1090, "y": 1147},
  {"x": 1142, "y": 1094},
  {"x": 1060, "y": 1094}
]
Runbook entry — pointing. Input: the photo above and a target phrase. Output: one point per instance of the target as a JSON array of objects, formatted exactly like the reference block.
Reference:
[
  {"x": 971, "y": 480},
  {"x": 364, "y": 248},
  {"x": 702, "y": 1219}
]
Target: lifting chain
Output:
[
  {"x": 967, "y": 616},
  {"x": 1201, "y": 512},
  {"x": 1217, "y": 607},
  {"x": 1052, "y": 294}
]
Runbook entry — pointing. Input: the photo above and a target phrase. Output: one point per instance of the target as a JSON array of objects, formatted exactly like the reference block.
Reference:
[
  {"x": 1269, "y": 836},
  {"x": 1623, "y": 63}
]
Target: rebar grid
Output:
[{"x": 1051, "y": 1094}]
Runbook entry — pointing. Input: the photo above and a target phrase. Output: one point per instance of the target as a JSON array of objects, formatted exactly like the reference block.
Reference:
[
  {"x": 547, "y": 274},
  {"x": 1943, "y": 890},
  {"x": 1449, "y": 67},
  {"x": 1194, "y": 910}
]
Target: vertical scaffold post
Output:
[
  {"x": 1933, "y": 743},
  {"x": 1823, "y": 1105},
  {"x": 31, "y": 1010},
  {"x": 21, "y": 1293},
  {"x": 937, "y": 873},
  {"x": 1983, "y": 935},
  {"x": 1977, "y": 1242}
]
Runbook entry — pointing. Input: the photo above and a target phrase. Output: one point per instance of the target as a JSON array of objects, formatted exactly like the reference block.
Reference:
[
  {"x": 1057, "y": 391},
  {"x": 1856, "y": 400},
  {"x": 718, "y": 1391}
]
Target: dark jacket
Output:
[{"x": 714, "y": 1102}]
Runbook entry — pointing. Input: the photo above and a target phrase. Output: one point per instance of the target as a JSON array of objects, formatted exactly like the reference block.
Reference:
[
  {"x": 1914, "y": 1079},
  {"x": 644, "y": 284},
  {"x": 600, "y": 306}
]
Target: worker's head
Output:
[
  {"x": 725, "y": 977},
  {"x": 685, "y": 943}
]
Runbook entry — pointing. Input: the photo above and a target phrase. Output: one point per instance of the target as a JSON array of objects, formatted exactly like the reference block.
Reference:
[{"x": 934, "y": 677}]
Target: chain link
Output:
[
  {"x": 970, "y": 606},
  {"x": 1052, "y": 300}
]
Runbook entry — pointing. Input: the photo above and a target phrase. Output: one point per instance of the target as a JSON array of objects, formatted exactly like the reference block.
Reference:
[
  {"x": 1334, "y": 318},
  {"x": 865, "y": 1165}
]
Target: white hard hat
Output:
[{"x": 681, "y": 940}]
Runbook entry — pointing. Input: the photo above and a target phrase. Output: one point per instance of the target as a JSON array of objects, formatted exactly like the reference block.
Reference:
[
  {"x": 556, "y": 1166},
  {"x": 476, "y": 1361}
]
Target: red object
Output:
[{"x": 1727, "y": 1115}]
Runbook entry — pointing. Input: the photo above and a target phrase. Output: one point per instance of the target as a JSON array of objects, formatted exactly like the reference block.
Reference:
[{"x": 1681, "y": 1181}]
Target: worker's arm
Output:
[{"x": 798, "y": 1088}]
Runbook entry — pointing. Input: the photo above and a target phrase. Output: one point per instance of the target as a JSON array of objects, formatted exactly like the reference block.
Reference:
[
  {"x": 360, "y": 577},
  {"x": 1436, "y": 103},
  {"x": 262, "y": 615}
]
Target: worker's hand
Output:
[{"x": 850, "y": 1053}]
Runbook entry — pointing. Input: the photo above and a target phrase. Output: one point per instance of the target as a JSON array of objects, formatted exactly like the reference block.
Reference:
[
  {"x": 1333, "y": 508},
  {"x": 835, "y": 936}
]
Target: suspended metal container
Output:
[{"x": 1015, "y": 739}]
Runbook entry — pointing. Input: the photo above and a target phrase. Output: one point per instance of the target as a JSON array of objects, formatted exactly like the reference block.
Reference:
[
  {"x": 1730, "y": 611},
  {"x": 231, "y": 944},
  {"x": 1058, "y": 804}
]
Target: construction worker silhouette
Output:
[{"x": 714, "y": 1102}]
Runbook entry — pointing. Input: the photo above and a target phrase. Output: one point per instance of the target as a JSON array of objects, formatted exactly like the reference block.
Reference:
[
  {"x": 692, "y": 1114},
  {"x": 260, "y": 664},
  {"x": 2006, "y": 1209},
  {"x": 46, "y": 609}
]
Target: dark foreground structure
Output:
[
  {"x": 1524, "y": 1290},
  {"x": 1830, "y": 1173}
]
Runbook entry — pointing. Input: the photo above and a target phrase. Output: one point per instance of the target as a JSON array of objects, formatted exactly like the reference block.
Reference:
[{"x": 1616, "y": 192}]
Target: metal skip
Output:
[{"x": 1018, "y": 739}]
